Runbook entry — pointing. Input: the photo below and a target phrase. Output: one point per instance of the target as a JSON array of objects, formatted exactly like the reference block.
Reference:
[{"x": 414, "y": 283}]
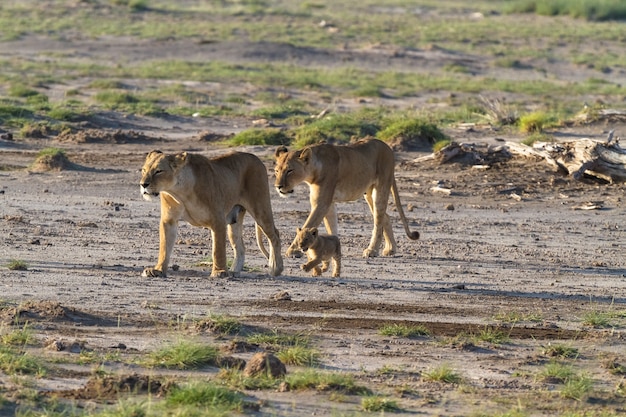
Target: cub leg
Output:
[
  {"x": 325, "y": 265},
  {"x": 336, "y": 265}
]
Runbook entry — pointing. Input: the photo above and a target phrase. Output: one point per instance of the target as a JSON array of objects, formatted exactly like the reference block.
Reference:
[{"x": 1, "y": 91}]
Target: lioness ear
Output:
[
  {"x": 298, "y": 230},
  {"x": 178, "y": 160},
  {"x": 280, "y": 150},
  {"x": 305, "y": 155},
  {"x": 153, "y": 153}
]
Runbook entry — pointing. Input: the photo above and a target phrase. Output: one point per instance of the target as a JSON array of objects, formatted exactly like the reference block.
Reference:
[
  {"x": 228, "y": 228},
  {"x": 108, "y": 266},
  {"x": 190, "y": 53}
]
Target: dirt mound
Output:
[
  {"x": 104, "y": 136},
  {"x": 112, "y": 387},
  {"x": 57, "y": 161}
]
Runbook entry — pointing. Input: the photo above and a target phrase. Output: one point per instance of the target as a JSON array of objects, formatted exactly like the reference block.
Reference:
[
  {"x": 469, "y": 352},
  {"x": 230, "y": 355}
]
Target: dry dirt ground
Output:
[{"x": 532, "y": 267}]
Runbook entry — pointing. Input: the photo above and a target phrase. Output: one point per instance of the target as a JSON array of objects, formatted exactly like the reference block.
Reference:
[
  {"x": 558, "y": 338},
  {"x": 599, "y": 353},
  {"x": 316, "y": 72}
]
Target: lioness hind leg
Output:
[
  {"x": 390, "y": 242},
  {"x": 235, "y": 236},
  {"x": 377, "y": 232}
]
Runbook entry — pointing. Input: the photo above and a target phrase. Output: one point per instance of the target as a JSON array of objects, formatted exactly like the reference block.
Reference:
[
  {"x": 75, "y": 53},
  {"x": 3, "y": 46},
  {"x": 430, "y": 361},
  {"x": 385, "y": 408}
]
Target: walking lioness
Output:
[
  {"x": 344, "y": 173},
  {"x": 213, "y": 193}
]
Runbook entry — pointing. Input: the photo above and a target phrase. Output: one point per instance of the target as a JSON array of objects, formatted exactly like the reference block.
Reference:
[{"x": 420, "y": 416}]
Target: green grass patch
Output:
[
  {"x": 277, "y": 341},
  {"x": 16, "y": 362},
  {"x": 18, "y": 337},
  {"x": 17, "y": 265},
  {"x": 205, "y": 395},
  {"x": 560, "y": 350},
  {"x": 411, "y": 130},
  {"x": 324, "y": 382},
  {"x": 517, "y": 317},
  {"x": 260, "y": 136},
  {"x": 376, "y": 403},
  {"x": 237, "y": 380},
  {"x": 183, "y": 355},
  {"x": 556, "y": 372},
  {"x": 440, "y": 144},
  {"x": 221, "y": 324},
  {"x": 576, "y": 388},
  {"x": 537, "y": 122},
  {"x": 443, "y": 373},
  {"x": 403, "y": 330},
  {"x": 491, "y": 335},
  {"x": 596, "y": 10},
  {"x": 299, "y": 356},
  {"x": 337, "y": 128},
  {"x": 597, "y": 319}
]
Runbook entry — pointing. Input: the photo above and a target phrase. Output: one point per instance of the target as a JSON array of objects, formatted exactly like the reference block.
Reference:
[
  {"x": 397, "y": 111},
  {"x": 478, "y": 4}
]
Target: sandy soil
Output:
[{"x": 86, "y": 235}]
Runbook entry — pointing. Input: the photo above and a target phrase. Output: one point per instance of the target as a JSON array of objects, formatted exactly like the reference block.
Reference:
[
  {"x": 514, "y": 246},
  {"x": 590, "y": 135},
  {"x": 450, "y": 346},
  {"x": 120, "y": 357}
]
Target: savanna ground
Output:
[{"x": 513, "y": 302}]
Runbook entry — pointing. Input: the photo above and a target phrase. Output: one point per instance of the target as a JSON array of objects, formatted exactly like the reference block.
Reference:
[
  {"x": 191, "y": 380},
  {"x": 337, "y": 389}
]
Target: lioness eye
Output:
[
  {"x": 289, "y": 171},
  {"x": 158, "y": 171}
]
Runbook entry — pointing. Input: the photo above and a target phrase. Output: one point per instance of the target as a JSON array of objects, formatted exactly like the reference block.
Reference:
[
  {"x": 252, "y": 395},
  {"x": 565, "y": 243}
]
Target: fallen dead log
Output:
[{"x": 580, "y": 158}]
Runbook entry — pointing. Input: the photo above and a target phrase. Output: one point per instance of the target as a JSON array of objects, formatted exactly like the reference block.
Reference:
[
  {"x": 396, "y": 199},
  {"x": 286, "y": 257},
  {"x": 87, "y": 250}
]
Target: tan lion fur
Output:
[
  {"x": 337, "y": 173},
  {"x": 213, "y": 193},
  {"x": 319, "y": 249}
]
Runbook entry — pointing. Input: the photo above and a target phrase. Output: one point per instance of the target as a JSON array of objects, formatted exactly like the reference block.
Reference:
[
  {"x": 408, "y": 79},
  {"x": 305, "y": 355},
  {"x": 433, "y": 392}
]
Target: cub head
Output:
[
  {"x": 159, "y": 173},
  {"x": 291, "y": 169},
  {"x": 305, "y": 238}
]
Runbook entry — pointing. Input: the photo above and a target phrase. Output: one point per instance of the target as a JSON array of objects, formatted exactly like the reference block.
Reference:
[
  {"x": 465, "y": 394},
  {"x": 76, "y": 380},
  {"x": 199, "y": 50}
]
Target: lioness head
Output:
[
  {"x": 159, "y": 173},
  {"x": 306, "y": 237},
  {"x": 291, "y": 169}
]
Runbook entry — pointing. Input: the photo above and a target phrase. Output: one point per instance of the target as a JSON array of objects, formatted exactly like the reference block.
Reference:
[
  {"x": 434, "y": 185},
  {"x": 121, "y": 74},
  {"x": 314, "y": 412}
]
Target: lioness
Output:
[
  {"x": 213, "y": 193},
  {"x": 319, "y": 249},
  {"x": 344, "y": 173}
]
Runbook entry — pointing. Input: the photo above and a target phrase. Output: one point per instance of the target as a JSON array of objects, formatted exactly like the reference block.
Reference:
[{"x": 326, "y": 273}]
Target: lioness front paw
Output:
[
  {"x": 370, "y": 253},
  {"x": 153, "y": 273},
  {"x": 219, "y": 273}
]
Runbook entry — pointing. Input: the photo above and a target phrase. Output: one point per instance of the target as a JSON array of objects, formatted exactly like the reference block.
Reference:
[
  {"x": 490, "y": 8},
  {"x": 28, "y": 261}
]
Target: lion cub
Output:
[{"x": 319, "y": 249}]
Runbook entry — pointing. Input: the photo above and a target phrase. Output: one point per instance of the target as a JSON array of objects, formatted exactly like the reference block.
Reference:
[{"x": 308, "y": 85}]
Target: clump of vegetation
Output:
[
  {"x": 260, "y": 136},
  {"x": 440, "y": 144},
  {"x": 324, "y": 381},
  {"x": 536, "y": 122},
  {"x": 205, "y": 395},
  {"x": 220, "y": 324},
  {"x": 17, "y": 362},
  {"x": 412, "y": 133},
  {"x": 491, "y": 335},
  {"x": 17, "y": 265},
  {"x": 560, "y": 350},
  {"x": 443, "y": 373},
  {"x": 556, "y": 372},
  {"x": 275, "y": 340},
  {"x": 299, "y": 356},
  {"x": 597, "y": 10},
  {"x": 597, "y": 319},
  {"x": 376, "y": 403},
  {"x": 536, "y": 137},
  {"x": 403, "y": 330},
  {"x": 18, "y": 337},
  {"x": 183, "y": 355},
  {"x": 337, "y": 128}
]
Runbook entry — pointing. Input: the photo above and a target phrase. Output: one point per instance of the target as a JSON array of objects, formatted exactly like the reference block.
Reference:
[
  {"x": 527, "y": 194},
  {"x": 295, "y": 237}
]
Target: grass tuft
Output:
[
  {"x": 376, "y": 403},
  {"x": 17, "y": 265},
  {"x": 299, "y": 356},
  {"x": 183, "y": 355},
  {"x": 403, "y": 330},
  {"x": 443, "y": 373}
]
